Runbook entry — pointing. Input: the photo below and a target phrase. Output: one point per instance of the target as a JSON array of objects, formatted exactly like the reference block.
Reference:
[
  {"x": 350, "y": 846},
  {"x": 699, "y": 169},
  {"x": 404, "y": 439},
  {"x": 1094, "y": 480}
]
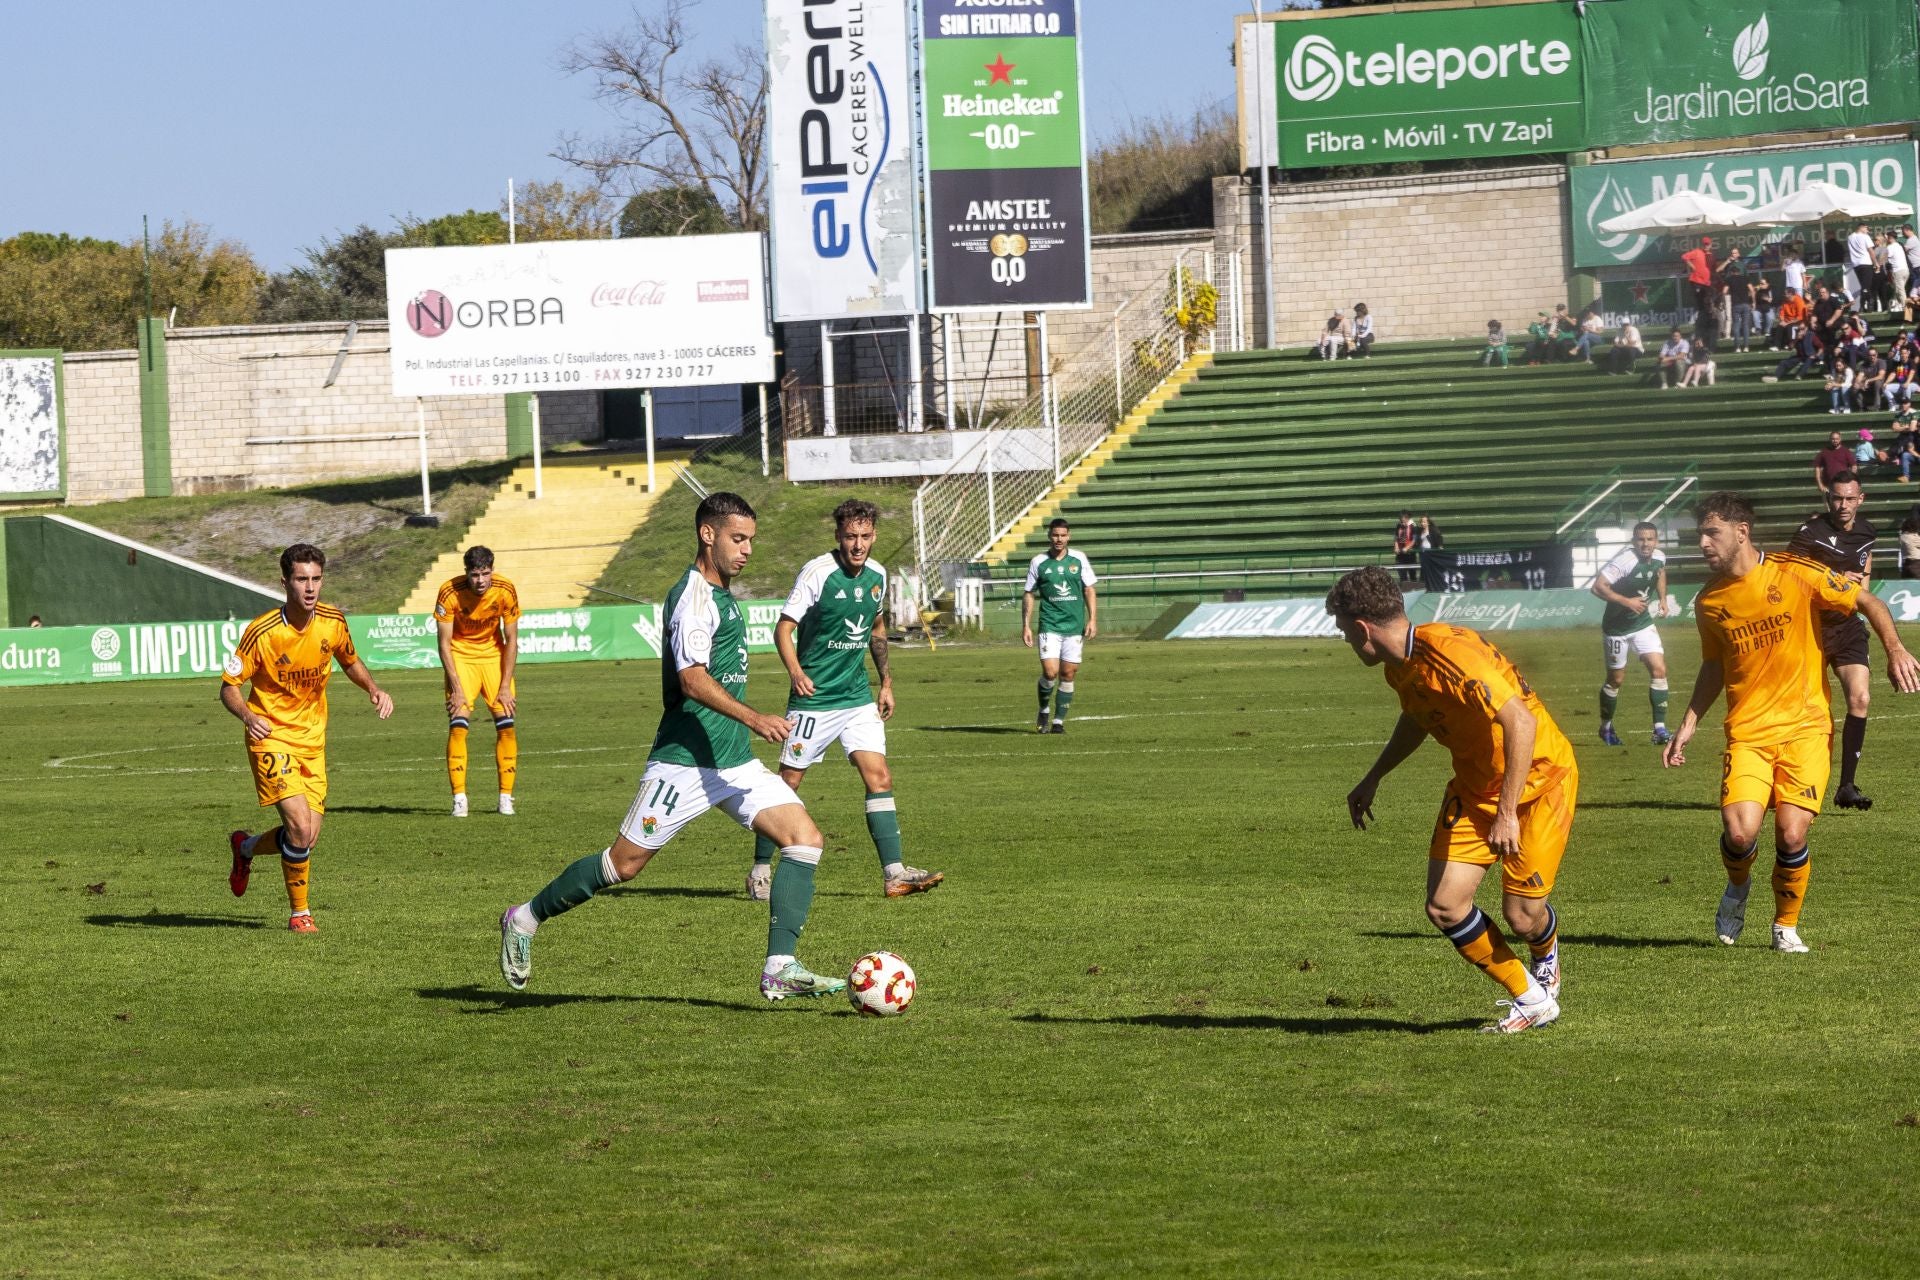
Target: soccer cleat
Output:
[
  {"x": 1787, "y": 938},
  {"x": 794, "y": 979},
  {"x": 1609, "y": 737},
  {"x": 506, "y": 805},
  {"x": 1040, "y": 721},
  {"x": 242, "y": 865},
  {"x": 516, "y": 952},
  {"x": 1662, "y": 735},
  {"x": 460, "y": 805},
  {"x": 1524, "y": 1014},
  {"x": 912, "y": 880},
  {"x": 1546, "y": 972},
  {"x": 1851, "y": 797},
  {"x": 760, "y": 881},
  {"x": 1059, "y": 726},
  {"x": 303, "y": 923},
  {"x": 1732, "y": 915}
]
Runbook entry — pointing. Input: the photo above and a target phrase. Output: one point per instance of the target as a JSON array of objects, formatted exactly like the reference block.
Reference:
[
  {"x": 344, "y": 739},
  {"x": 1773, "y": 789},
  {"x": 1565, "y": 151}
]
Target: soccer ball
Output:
[{"x": 881, "y": 984}]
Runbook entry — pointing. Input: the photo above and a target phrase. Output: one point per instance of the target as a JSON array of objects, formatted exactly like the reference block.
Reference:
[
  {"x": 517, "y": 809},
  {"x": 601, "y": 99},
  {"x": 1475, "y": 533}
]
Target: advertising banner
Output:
[
  {"x": 32, "y": 408},
  {"x": 841, "y": 195},
  {"x": 574, "y": 315},
  {"x": 1528, "y": 568},
  {"x": 1368, "y": 88},
  {"x": 1008, "y": 225},
  {"x": 1748, "y": 179},
  {"x": 1669, "y": 70}
]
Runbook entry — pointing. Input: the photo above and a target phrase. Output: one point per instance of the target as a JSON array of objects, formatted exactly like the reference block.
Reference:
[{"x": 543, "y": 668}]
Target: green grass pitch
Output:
[{"x": 1175, "y": 1016}]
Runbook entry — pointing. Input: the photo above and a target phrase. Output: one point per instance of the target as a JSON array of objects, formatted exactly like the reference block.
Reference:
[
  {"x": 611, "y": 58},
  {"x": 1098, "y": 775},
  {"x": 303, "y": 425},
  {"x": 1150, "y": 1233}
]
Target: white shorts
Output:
[
  {"x": 672, "y": 795},
  {"x": 855, "y": 728},
  {"x": 1056, "y": 647},
  {"x": 1642, "y": 642}
]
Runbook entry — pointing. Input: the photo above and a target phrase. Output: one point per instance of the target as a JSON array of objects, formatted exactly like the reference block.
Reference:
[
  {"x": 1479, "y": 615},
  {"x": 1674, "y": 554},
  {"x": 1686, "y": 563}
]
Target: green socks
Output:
[
  {"x": 1063, "y": 700},
  {"x": 1610, "y": 703},
  {"x": 1046, "y": 693},
  {"x": 1657, "y": 695},
  {"x": 763, "y": 850},
  {"x": 883, "y": 824},
  {"x": 580, "y": 881},
  {"x": 792, "y": 899}
]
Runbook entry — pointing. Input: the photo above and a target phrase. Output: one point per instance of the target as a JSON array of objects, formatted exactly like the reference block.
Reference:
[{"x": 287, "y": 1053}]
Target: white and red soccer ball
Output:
[{"x": 881, "y": 984}]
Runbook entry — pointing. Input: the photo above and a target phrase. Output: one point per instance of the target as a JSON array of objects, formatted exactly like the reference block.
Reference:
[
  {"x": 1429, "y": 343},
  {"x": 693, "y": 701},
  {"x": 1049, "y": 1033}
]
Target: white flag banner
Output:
[
  {"x": 839, "y": 141},
  {"x": 579, "y": 315}
]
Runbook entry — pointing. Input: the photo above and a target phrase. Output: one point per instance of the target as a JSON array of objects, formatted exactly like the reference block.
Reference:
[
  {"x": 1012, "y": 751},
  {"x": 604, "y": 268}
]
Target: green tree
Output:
[
  {"x": 343, "y": 279},
  {"x": 555, "y": 211},
  {"x": 80, "y": 294},
  {"x": 470, "y": 227},
  {"x": 673, "y": 211}
]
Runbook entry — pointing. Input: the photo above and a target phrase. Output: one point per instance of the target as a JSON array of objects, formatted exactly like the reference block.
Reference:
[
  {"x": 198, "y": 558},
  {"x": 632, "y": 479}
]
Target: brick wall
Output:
[
  {"x": 103, "y": 426},
  {"x": 1431, "y": 256}
]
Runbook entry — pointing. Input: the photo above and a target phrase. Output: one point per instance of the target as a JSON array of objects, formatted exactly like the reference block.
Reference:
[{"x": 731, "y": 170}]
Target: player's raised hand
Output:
[
  {"x": 1360, "y": 803},
  {"x": 1904, "y": 672},
  {"x": 770, "y": 728},
  {"x": 382, "y": 702}
]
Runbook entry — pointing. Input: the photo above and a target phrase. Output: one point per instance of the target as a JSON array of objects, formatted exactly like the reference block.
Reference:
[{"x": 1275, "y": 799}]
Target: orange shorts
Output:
[
  {"x": 1460, "y": 835},
  {"x": 1792, "y": 773},
  {"x": 480, "y": 681},
  {"x": 278, "y": 775}
]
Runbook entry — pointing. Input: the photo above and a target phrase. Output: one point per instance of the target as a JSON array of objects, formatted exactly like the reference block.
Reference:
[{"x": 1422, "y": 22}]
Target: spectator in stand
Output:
[
  {"x": 1855, "y": 346},
  {"x": 1904, "y": 451},
  {"x": 1406, "y": 548},
  {"x": 1627, "y": 348},
  {"x": 1903, "y": 369},
  {"x": 1910, "y": 311},
  {"x": 1790, "y": 323},
  {"x": 1699, "y": 263},
  {"x": 1337, "y": 334},
  {"x": 1540, "y": 340},
  {"x": 1870, "y": 380},
  {"x": 1700, "y": 365},
  {"x": 1362, "y": 331},
  {"x": 1859, "y": 277},
  {"x": 34, "y": 621},
  {"x": 1828, "y": 322},
  {"x": 1673, "y": 360},
  {"x": 1496, "y": 352},
  {"x": 1430, "y": 539},
  {"x": 1565, "y": 330},
  {"x": 1910, "y": 544},
  {"x": 1740, "y": 290},
  {"x": 1865, "y": 454},
  {"x": 1831, "y": 461},
  {"x": 1795, "y": 270},
  {"x": 1763, "y": 304},
  {"x": 1840, "y": 388},
  {"x": 1591, "y": 327},
  {"x": 1910, "y": 243}
]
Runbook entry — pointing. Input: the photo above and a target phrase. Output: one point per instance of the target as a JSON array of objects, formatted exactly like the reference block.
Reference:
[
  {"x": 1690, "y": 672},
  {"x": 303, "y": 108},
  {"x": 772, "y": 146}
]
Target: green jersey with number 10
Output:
[
  {"x": 1060, "y": 584},
  {"x": 835, "y": 612}
]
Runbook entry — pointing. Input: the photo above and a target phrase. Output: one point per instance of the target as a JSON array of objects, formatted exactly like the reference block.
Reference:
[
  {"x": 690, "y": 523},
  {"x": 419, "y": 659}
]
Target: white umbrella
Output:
[
  {"x": 1818, "y": 201},
  {"x": 1681, "y": 211}
]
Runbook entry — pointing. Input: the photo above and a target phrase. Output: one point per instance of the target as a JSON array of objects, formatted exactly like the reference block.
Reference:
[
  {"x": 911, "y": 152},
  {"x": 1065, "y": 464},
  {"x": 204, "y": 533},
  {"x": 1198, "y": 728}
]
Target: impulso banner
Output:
[
  {"x": 1365, "y": 88},
  {"x": 1008, "y": 226},
  {"x": 1748, "y": 179},
  {"x": 839, "y": 149},
  {"x": 577, "y": 315},
  {"x": 1668, "y": 70}
]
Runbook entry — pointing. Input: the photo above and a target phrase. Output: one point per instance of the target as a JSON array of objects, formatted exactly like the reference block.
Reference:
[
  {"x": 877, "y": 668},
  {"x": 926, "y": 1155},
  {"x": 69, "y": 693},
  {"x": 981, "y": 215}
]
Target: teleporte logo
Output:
[{"x": 1317, "y": 69}]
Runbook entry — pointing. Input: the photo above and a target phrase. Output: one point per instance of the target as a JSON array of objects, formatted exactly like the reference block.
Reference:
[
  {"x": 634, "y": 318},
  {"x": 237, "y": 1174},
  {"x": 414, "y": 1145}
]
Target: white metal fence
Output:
[{"x": 959, "y": 514}]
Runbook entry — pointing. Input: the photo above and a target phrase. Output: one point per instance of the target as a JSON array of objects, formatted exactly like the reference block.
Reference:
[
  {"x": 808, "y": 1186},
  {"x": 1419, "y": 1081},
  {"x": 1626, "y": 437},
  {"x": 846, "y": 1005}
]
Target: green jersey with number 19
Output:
[
  {"x": 704, "y": 628},
  {"x": 1636, "y": 579},
  {"x": 1061, "y": 585},
  {"x": 835, "y": 611}
]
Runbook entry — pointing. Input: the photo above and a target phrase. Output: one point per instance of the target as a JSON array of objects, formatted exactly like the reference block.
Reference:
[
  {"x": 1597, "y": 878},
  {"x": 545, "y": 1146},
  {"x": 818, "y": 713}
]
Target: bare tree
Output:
[{"x": 690, "y": 126}]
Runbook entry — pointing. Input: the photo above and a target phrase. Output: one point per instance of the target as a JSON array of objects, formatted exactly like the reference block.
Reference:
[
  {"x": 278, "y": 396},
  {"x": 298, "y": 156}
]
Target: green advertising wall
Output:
[
  {"x": 1672, "y": 70},
  {"x": 70, "y": 576}
]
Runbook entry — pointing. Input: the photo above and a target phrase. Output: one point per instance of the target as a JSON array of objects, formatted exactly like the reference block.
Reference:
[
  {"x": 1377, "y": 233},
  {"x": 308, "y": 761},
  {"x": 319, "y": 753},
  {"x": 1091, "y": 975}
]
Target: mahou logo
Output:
[
  {"x": 1313, "y": 70},
  {"x": 640, "y": 293}
]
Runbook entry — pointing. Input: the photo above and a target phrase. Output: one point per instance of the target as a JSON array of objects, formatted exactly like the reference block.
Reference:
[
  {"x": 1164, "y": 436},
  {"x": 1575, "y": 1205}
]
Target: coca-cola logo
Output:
[{"x": 640, "y": 293}]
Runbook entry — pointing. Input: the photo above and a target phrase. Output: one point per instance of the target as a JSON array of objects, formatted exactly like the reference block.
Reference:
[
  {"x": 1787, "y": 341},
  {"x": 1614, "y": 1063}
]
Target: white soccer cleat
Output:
[
  {"x": 1546, "y": 972},
  {"x": 516, "y": 953},
  {"x": 1732, "y": 915},
  {"x": 460, "y": 805},
  {"x": 760, "y": 882},
  {"x": 506, "y": 805},
  {"x": 1524, "y": 1014},
  {"x": 1787, "y": 938}
]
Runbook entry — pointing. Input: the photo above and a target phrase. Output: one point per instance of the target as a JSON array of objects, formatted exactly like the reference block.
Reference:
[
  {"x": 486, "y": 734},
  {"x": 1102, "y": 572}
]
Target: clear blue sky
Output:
[{"x": 277, "y": 125}]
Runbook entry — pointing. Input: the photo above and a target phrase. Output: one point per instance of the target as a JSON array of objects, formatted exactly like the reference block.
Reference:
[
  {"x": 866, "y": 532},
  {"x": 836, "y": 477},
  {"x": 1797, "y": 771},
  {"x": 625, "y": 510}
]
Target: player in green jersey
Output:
[
  {"x": 833, "y": 620},
  {"x": 702, "y": 759},
  {"x": 1062, "y": 579},
  {"x": 1634, "y": 585}
]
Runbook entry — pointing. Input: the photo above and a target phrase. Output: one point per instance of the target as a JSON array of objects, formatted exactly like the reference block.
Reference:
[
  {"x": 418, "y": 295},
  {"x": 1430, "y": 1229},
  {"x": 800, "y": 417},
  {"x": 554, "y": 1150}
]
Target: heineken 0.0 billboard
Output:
[
  {"x": 1749, "y": 179},
  {"x": 1356, "y": 87},
  {"x": 1670, "y": 70}
]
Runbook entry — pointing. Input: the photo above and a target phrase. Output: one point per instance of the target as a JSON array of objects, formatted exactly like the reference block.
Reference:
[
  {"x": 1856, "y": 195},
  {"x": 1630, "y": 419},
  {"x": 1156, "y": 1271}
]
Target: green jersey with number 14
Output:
[
  {"x": 703, "y": 628},
  {"x": 1060, "y": 584},
  {"x": 835, "y": 611}
]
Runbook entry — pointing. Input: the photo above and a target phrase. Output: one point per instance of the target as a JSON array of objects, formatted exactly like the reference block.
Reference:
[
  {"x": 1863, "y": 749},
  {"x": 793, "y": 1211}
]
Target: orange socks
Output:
[
  {"x": 457, "y": 755},
  {"x": 1789, "y": 886},
  {"x": 1481, "y": 943},
  {"x": 293, "y": 866},
  {"x": 1738, "y": 862},
  {"x": 506, "y": 756}
]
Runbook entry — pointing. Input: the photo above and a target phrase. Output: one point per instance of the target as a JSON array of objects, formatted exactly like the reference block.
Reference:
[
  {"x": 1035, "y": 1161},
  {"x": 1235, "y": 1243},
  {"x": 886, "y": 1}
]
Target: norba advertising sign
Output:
[
  {"x": 1669, "y": 70},
  {"x": 1413, "y": 85}
]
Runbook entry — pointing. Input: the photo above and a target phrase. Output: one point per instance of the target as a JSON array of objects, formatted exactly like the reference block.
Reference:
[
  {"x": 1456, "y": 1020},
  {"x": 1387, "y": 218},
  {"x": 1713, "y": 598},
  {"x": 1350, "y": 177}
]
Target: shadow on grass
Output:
[
  {"x": 386, "y": 808},
  {"x": 631, "y": 890},
  {"x": 973, "y": 728},
  {"x": 1707, "y": 805},
  {"x": 173, "y": 920},
  {"x": 1571, "y": 939},
  {"x": 1262, "y": 1022},
  {"x": 502, "y": 1001}
]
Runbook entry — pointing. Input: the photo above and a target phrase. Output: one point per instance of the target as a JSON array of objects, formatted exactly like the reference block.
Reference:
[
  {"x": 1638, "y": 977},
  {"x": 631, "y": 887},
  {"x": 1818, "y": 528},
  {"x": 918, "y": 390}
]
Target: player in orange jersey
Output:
[
  {"x": 478, "y": 615},
  {"x": 1760, "y": 623},
  {"x": 287, "y": 655},
  {"x": 1511, "y": 799}
]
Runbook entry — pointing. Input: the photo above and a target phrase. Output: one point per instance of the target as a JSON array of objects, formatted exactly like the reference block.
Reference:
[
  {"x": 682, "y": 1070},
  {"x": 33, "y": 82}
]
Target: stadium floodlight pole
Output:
[
  {"x": 1262, "y": 68},
  {"x": 510, "y": 215}
]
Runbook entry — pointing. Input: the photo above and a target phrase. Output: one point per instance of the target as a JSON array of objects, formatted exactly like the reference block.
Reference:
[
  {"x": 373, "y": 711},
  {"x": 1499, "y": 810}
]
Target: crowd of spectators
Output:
[{"x": 1353, "y": 337}]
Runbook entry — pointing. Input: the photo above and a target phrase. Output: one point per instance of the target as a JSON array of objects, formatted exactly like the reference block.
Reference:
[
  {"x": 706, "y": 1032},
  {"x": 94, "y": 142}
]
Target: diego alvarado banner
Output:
[
  {"x": 578, "y": 315},
  {"x": 1748, "y": 179},
  {"x": 1362, "y": 87},
  {"x": 839, "y": 148},
  {"x": 1668, "y": 70},
  {"x": 1006, "y": 174}
]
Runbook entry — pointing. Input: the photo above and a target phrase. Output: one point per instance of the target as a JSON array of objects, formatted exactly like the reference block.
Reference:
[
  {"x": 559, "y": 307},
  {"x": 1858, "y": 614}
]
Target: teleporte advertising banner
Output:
[
  {"x": 1006, "y": 175},
  {"x": 840, "y": 155},
  {"x": 1363, "y": 87},
  {"x": 1748, "y": 179},
  {"x": 578, "y": 315},
  {"x": 1669, "y": 70}
]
